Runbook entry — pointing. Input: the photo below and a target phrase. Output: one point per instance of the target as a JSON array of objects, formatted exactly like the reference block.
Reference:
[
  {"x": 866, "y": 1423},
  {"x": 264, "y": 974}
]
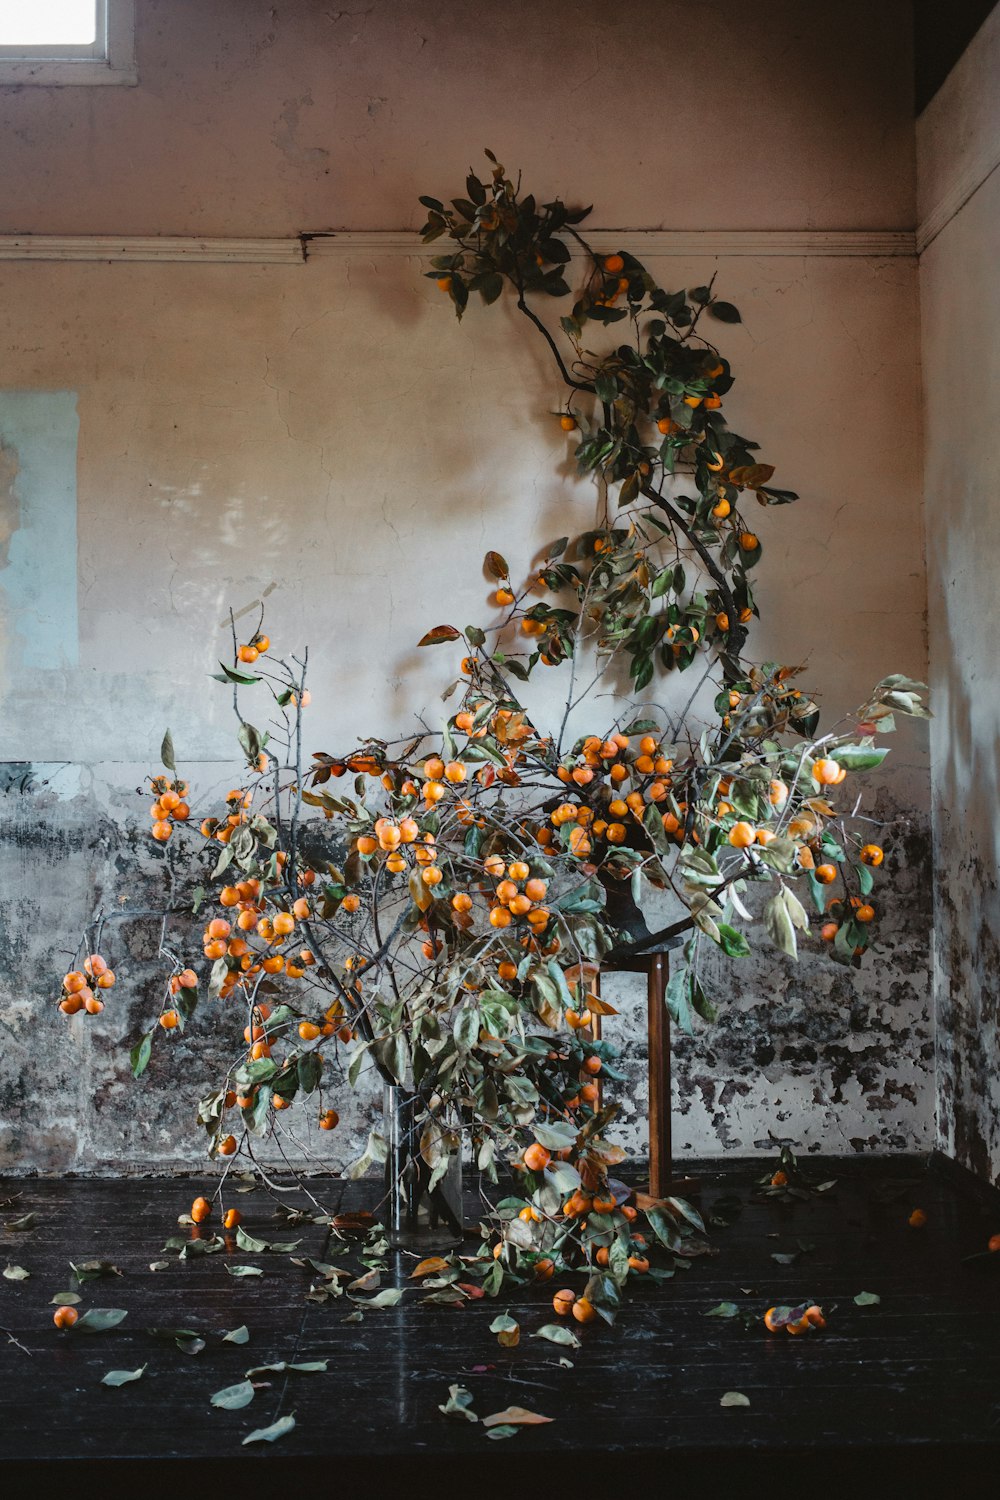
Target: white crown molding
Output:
[
  {"x": 968, "y": 182},
  {"x": 175, "y": 248},
  {"x": 648, "y": 244}
]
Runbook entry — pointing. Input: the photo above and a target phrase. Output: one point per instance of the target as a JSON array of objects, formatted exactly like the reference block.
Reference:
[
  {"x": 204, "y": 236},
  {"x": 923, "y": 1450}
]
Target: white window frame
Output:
[{"x": 110, "y": 59}]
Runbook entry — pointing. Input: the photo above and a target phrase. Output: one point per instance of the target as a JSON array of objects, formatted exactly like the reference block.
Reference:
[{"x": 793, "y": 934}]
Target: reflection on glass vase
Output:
[{"x": 423, "y": 1174}]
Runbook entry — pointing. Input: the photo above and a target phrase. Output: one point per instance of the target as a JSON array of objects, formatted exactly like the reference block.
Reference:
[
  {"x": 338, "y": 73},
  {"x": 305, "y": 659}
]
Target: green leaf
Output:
[
  {"x": 732, "y": 942},
  {"x": 458, "y": 1404},
  {"x": 100, "y": 1319},
  {"x": 859, "y": 757},
  {"x": 167, "y": 752},
  {"x": 390, "y": 1296},
  {"x": 271, "y": 1434},
  {"x": 555, "y": 1136},
  {"x": 239, "y": 1335},
  {"x": 723, "y": 1310},
  {"x": 504, "y": 1431},
  {"x": 65, "y": 1299},
  {"x": 250, "y": 740},
  {"x": 21, "y": 1225},
  {"x": 16, "y": 1273},
  {"x": 310, "y": 1367},
  {"x": 734, "y": 1398},
  {"x": 726, "y": 313},
  {"x": 140, "y": 1055},
  {"x": 123, "y": 1377},
  {"x": 867, "y": 1299},
  {"x": 234, "y": 1397},
  {"x": 243, "y": 679},
  {"x": 243, "y": 1271},
  {"x": 778, "y": 924},
  {"x": 558, "y": 1333}
]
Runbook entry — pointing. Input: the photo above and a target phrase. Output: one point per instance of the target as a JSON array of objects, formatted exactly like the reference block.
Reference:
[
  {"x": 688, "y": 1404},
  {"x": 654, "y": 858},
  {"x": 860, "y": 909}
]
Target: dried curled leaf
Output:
[
  {"x": 439, "y": 634},
  {"x": 516, "y": 1416}
]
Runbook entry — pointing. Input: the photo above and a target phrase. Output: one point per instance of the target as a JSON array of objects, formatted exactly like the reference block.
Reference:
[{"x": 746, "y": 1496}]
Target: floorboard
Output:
[{"x": 908, "y": 1389}]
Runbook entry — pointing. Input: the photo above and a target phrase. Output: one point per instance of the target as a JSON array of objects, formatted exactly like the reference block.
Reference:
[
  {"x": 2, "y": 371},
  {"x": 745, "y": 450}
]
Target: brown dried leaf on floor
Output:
[{"x": 516, "y": 1416}]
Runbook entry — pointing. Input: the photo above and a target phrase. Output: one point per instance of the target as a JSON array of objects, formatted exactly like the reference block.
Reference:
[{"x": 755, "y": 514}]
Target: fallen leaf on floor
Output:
[
  {"x": 90, "y": 1270},
  {"x": 26, "y": 1221},
  {"x": 270, "y": 1434},
  {"x": 304, "y": 1367},
  {"x": 159, "y": 1265},
  {"x": 122, "y": 1377},
  {"x": 734, "y": 1398},
  {"x": 66, "y": 1299},
  {"x": 426, "y": 1267},
  {"x": 16, "y": 1273},
  {"x": 556, "y": 1333},
  {"x": 867, "y": 1299},
  {"x": 99, "y": 1319},
  {"x": 515, "y": 1416},
  {"x": 506, "y": 1431},
  {"x": 390, "y": 1296},
  {"x": 507, "y": 1330},
  {"x": 233, "y": 1397},
  {"x": 458, "y": 1404},
  {"x": 186, "y": 1339},
  {"x": 723, "y": 1310},
  {"x": 239, "y": 1335},
  {"x": 257, "y": 1247},
  {"x": 244, "y": 1270},
  {"x": 370, "y": 1282},
  {"x": 354, "y": 1317}
]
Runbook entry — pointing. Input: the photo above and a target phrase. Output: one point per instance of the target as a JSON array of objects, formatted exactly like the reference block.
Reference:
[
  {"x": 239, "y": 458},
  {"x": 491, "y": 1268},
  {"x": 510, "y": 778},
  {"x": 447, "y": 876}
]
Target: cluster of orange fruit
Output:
[
  {"x": 169, "y": 808},
  {"x": 239, "y": 803},
  {"x": 794, "y": 1320},
  {"x": 257, "y": 646},
  {"x": 78, "y": 987}
]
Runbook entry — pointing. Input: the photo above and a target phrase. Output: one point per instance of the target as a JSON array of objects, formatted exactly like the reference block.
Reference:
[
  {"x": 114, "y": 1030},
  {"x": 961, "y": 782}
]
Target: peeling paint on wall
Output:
[{"x": 812, "y": 1054}]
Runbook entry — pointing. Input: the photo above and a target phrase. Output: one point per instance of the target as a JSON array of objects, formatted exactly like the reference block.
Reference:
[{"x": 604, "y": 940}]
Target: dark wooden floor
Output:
[{"x": 904, "y": 1390}]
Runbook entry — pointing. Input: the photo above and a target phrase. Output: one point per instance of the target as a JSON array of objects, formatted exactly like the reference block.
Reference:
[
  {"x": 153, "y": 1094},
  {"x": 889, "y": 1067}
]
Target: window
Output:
[{"x": 51, "y": 42}]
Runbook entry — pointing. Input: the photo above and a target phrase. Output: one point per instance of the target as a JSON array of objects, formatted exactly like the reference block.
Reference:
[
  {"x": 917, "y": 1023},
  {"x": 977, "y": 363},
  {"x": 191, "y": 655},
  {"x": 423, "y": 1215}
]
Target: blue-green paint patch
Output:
[{"x": 38, "y": 440}]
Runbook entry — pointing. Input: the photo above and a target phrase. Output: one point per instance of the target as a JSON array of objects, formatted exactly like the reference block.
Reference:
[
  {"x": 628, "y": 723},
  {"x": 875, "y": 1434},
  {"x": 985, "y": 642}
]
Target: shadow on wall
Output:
[{"x": 967, "y": 858}]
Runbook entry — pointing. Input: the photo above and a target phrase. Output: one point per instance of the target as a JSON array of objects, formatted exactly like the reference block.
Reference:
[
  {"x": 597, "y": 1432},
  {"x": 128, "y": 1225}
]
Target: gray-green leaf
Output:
[
  {"x": 122, "y": 1377},
  {"x": 100, "y": 1319},
  {"x": 867, "y": 1299},
  {"x": 239, "y": 1335},
  {"x": 556, "y": 1333},
  {"x": 734, "y": 1398},
  {"x": 270, "y": 1434},
  {"x": 233, "y": 1397}
]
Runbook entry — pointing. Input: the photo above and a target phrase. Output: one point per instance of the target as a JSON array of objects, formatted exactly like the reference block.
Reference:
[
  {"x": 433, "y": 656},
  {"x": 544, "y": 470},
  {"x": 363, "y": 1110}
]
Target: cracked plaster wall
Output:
[
  {"x": 958, "y": 135},
  {"x": 328, "y": 437}
]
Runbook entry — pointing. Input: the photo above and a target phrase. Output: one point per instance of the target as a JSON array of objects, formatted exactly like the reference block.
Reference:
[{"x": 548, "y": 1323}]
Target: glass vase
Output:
[{"x": 423, "y": 1174}]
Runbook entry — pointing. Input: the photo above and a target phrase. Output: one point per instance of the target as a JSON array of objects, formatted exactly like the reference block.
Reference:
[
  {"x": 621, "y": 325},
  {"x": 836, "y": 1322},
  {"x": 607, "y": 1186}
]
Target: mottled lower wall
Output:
[
  {"x": 812, "y": 1054},
  {"x": 959, "y": 139}
]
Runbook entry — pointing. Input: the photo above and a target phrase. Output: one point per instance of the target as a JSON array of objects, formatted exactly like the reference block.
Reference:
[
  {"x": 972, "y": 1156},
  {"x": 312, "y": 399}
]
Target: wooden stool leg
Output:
[{"x": 660, "y": 1143}]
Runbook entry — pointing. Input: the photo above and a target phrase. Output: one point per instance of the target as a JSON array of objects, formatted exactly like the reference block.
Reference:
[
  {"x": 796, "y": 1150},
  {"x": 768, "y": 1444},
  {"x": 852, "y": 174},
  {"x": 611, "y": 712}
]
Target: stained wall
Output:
[
  {"x": 325, "y": 436},
  {"x": 959, "y": 149}
]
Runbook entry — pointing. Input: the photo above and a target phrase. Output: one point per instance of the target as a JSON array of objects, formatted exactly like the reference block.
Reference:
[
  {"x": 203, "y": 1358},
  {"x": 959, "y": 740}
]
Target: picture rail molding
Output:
[{"x": 647, "y": 244}]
